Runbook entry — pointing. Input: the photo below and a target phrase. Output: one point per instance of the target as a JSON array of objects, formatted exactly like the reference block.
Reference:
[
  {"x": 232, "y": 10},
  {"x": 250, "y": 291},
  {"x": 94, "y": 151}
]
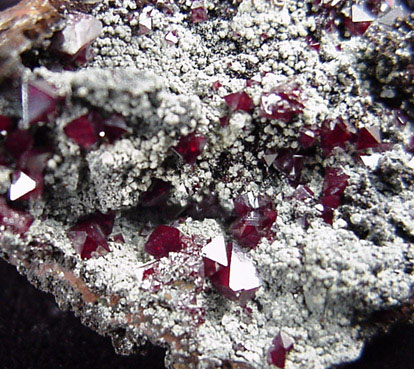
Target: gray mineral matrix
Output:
[{"x": 157, "y": 67}]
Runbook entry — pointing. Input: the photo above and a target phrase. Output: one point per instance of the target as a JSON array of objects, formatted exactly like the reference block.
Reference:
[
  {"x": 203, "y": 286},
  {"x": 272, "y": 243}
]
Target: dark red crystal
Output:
[
  {"x": 239, "y": 101},
  {"x": 163, "y": 240},
  {"x": 313, "y": 44},
  {"x": 157, "y": 193},
  {"x": 17, "y": 142},
  {"x": 355, "y": 28},
  {"x": 198, "y": 15},
  {"x": 308, "y": 137},
  {"x": 190, "y": 147},
  {"x": 368, "y": 138},
  {"x": 114, "y": 127},
  {"x": 290, "y": 164},
  {"x": 83, "y": 131},
  {"x": 5, "y": 123},
  {"x": 15, "y": 220},
  {"x": 255, "y": 218},
  {"x": 89, "y": 235},
  {"x": 336, "y": 136},
  {"x": 281, "y": 345},
  {"x": 303, "y": 193},
  {"x": 282, "y": 103},
  {"x": 41, "y": 101},
  {"x": 237, "y": 280}
]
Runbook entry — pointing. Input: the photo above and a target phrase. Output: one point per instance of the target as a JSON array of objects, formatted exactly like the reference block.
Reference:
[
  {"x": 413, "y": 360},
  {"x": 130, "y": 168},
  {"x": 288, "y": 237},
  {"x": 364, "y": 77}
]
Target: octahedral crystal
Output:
[
  {"x": 256, "y": 214},
  {"x": 281, "y": 345},
  {"x": 41, "y": 101},
  {"x": 89, "y": 235},
  {"x": 190, "y": 147},
  {"x": 334, "y": 185},
  {"x": 239, "y": 101},
  {"x": 198, "y": 14},
  {"x": 163, "y": 240},
  {"x": 80, "y": 31},
  {"x": 282, "y": 103},
  {"x": 157, "y": 193},
  {"x": 334, "y": 134},
  {"x": 368, "y": 137},
  {"x": 230, "y": 270}
]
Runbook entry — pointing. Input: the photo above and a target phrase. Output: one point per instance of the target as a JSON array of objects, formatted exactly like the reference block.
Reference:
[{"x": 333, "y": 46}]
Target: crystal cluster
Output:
[
  {"x": 89, "y": 235},
  {"x": 255, "y": 216},
  {"x": 230, "y": 270},
  {"x": 281, "y": 345}
]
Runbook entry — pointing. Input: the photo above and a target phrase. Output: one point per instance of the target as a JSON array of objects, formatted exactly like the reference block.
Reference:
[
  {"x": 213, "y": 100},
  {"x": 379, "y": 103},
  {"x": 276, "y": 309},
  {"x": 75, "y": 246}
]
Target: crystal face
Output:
[
  {"x": 198, "y": 15},
  {"x": 282, "y": 103},
  {"x": 21, "y": 185},
  {"x": 163, "y": 240},
  {"x": 256, "y": 215},
  {"x": 41, "y": 101},
  {"x": 82, "y": 131},
  {"x": 334, "y": 134},
  {"x": 80, "y": 31},
  {"x": 239, "y": 101},
  {"x": 190, "y": 147},
  {"x": 230, "y": 270},
  {"x": 89, "y": 235},
  {"x": 368, "y": 138},
  {"x": 281, "y": 345}
]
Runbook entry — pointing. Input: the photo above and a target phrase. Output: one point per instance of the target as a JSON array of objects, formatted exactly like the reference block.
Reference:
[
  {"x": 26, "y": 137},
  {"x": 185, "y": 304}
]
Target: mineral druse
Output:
[{"x": 232, "y": 180}]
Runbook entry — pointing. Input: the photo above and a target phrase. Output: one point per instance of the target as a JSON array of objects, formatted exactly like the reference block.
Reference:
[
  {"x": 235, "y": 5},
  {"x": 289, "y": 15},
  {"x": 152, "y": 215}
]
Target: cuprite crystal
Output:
[
  {"x": 368, "y": 137},
  {"x": 198, "y": 14},
  {"x": 230, "y": 270},
  {"x": 17, "y": 142},
  {"x": 334, "y": 134},
  {"x": 282, "y": 103},
  {"x": 157, "y": 194},
  {"x": 41, "y": 101},
  {"x": 80, "y": 31},
  {"x": 89, "y": 235},
  {"x": 21, "y": 186},
  {"x": 255, "y": 216},
  {"x": 281, "y": 345},
  {"x": 163, "y": 240},
  {"x": 83, "y": 131},
  {"x": 239, "y": 101},
  {"x": 334, "y": 185},
  {"x": 191, "y": 146},
  {"x": 5, "y": 123}
]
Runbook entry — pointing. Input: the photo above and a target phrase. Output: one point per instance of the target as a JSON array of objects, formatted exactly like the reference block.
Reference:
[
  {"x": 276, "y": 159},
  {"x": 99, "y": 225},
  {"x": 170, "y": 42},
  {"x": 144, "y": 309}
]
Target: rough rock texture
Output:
[{"x": 319, "y": 281}]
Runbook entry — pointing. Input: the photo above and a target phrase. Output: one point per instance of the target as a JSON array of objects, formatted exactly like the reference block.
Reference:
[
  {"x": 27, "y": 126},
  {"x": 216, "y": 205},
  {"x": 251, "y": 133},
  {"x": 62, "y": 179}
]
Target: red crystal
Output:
[
  {"x": 224, "y": 121},
  {"x": 83, "y": 131},
  {"x": 191, "y": 146},
  {"x": 337, "y": 136},
  {"x": 356, "y": 28},
  {"x": 17, "y": 142},
  {"x": 334, "y": 185},
  {"x": 198, "y": 15},
  {"x": 303, "y": 193},
  {"x": 281, "y": 345},
  {"x": 114, "y": 127},
  {"x": 308, "y": 137},
  {"x": 5, "y": 123},
  {"x": 163, "y": 240},
  {"x": 367, "y": 138},
  {"x": 216, "y": 85},
  {"x": 282, "y": 103},
  {"x": 15, "y": 220},
  {"x": 89, "y": 235},
  {"x": 313, "y": 44},
  {"x": 118, "y": 238},
  {"x": 289, "y": 164},
  {"x": 239, "y": 101},
  {"x": 41, "y": 101},
  {"x": 255, "y": 218},
  {"x": 80, "y": 31},
  {"x": 238, "y": 280},
  {"x": 157, "y": 193}
]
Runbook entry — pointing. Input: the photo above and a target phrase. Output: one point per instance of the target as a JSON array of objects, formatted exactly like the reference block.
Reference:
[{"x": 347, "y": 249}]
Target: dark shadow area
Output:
[
  {"x": 394, "y": 350},
  {"x": 4, "y": 4},
  {"x": 34, "y": 333}
]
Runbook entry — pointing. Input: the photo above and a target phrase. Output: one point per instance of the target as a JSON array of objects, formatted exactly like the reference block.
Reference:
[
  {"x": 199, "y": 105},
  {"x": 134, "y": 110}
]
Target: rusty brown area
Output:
[{"x": 27, "y": 25}]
